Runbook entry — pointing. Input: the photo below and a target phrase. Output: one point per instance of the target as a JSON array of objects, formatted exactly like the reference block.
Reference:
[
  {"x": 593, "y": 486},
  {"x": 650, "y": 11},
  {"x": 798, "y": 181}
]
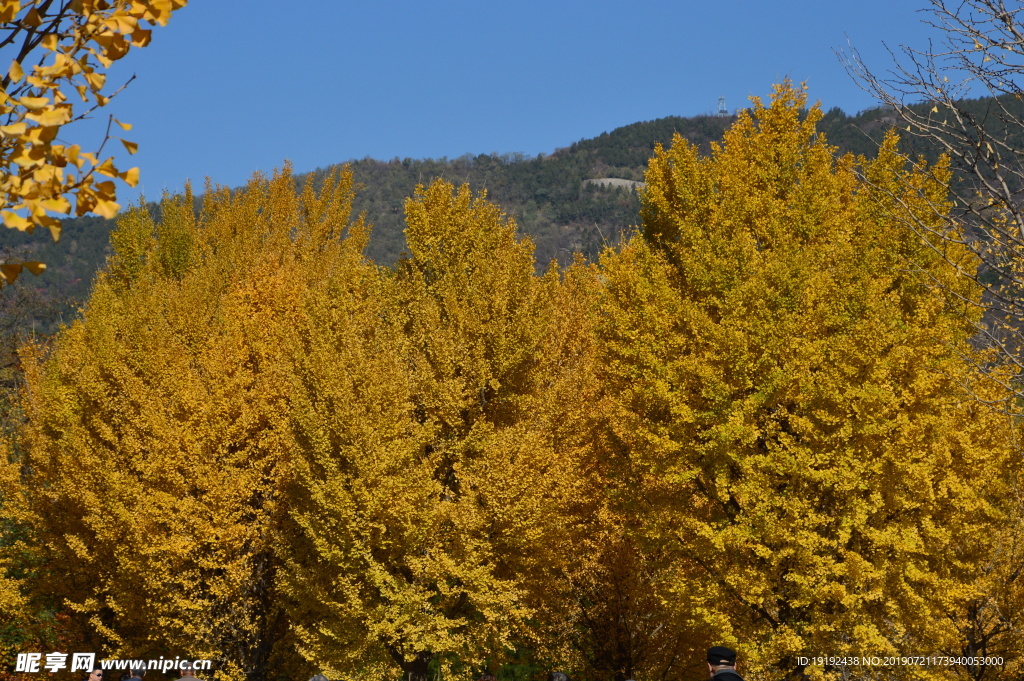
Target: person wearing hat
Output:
[{"x": 722, "y": 664}]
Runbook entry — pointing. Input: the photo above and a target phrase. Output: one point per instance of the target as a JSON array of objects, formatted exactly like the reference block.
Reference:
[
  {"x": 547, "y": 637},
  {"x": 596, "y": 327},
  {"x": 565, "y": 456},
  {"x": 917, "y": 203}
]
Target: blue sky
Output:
[{"x": 231, "y": 87}]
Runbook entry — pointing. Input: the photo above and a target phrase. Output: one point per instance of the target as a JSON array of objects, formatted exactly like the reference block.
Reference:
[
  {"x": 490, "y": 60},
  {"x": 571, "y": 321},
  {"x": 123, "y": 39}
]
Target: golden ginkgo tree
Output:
[
  {"x": 59, "y": 54},
  {"x": 781, "y": 368},
  {"x": 152, "y": 461},
  {"x": 439, "y": 454}
]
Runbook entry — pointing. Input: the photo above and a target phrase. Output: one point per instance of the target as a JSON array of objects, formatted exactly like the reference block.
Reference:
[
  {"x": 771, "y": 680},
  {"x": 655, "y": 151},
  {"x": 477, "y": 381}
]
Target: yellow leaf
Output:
[
  {"x": 132, "y": 147},
  {"x": 50, "y": 42},
  {"x": 106, "y": 168},
  {"x": 10, "y": 272},
  {"x": 96, "y": 80},
  {"x": 27, "y": 157},
  {"x": 53, "y": 225},
  {"x": 57, "y": 205},
  {"x": 126, "y": 24},
  {"x": 33, "y": 103},
  {"x": 124, "y": 126},
  {"x": 130, "y": 176},
  {"x": 107, "y": 209},
  {"x": 54, "y": 116},
  {"x": 9, "y": 10},
  {"x": 43, "y": 135},
  {"x": 32, "y": 18},
  {"x": 13, "y": 130},
  {"x": 16, "y": 72},
  {"x": 15, "y": 221},
  {"x": 106, "y": 189},
  {"x": 159, "y": 12},
  {"x": 141, "y": 37},
  {"x": 35, "y": 268}
]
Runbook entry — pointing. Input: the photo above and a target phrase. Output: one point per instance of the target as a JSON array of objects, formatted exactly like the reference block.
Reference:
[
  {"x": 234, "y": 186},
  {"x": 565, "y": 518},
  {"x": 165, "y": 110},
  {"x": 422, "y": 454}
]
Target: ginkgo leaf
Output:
[
  {"x": 41, "y": 135},
  {"x": 106, "y": 168},
  {"x": 10, "y": 272},
  {"x": 16, "y": 72},
  {"x": 58, "y": 204},
  {"x": 132, "y": 147},
  {"x": 9, "y": 10},
  {"x": 96, "y": 80},
  {"x": 15, "y": 221},
  {"x": 55, "y": 116},
  {"x": 33, "y": 103},
  {"x": 13, "y": 130},
  {"x": 141, "y": 37},
  {"x": 106, "y": 209},
  {"x": 32, "y": 18},
  {"x": 130, "y": 176}
]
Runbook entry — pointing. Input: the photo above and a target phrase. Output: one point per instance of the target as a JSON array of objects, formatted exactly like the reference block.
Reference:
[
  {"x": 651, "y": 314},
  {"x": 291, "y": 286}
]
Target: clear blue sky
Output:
[{"x": 231, "y": 87}]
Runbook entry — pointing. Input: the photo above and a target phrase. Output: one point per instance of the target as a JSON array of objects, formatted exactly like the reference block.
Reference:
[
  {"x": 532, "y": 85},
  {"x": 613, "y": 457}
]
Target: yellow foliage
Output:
[
  {"x": 71, "y": 40},
  {"x": 777, "y": 357},
  {"x": 753, "y": 423},
  {"x": 438, "y": 448},
  {"x": 314, "y": 455},
  {"x": 157, "y": 428}
]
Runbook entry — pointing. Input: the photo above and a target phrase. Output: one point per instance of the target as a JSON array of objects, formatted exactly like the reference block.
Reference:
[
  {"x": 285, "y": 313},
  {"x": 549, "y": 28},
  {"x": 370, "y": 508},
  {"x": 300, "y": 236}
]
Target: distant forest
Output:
[{"x": 546, "y": 194}]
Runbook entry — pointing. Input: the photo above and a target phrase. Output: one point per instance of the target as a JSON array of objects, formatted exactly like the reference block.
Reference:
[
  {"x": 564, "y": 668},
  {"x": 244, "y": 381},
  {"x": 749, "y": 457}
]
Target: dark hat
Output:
[{"x": 721, "y": 655}]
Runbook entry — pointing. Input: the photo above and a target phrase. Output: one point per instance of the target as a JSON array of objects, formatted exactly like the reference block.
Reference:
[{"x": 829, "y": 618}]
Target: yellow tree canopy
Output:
[
  {"x": 156, "y": 427},
  {"x": 437, "y": 416},
  {"x": 776, "y": 357}
]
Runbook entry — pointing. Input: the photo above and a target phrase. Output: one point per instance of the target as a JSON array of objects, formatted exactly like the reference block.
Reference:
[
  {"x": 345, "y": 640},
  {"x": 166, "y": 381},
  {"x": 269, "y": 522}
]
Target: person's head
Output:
[
  {"x": 186, "y": 670},
  {"x": 719, "y": 658},
  {"x": 137, "y": 673},
  {"x": 96, "y": 674}
]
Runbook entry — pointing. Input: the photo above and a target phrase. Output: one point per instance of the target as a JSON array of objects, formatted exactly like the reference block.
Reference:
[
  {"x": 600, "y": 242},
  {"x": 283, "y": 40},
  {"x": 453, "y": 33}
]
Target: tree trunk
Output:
[{"x": 415, "y": 669}]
